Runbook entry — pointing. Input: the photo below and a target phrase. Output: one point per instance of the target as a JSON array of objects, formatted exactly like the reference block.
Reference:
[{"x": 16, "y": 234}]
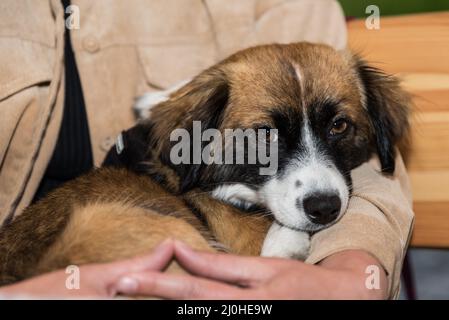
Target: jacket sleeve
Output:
[
  {"x": 379, "y": 220},
  {"x": 30, "y": 100}
]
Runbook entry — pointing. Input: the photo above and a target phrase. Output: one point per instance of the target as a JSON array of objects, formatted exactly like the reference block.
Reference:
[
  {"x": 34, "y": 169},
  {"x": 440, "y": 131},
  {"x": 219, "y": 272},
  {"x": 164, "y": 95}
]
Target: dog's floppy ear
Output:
[
  {"x": 203, "y": 99},
  {"x": 130, "y": 148},
  {"x": 388, "y": 107}
]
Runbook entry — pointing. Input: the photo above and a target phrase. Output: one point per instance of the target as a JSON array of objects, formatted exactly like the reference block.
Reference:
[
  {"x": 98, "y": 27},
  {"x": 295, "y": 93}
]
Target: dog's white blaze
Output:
[
  {"x": 299, "y": 75},
  {"x": 308, "y": 140},
  {"x": 310, "y": 173}
]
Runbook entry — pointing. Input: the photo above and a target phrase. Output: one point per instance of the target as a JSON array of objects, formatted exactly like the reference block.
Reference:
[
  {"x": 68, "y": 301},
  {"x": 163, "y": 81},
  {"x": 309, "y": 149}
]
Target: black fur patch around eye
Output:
[
  {"x": 288, "y": 121},
  {"x": 322, "y": 112}
]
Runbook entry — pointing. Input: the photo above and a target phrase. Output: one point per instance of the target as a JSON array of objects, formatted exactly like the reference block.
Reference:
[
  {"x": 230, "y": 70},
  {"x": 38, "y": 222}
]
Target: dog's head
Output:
[{"x": 331, "y": 110}]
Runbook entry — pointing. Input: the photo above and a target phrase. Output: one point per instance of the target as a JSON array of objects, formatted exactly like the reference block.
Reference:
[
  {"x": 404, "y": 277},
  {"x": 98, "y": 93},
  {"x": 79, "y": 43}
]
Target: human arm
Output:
[
  {"x": 96, "y": 281},
  {"x": 225, "y": 276}
]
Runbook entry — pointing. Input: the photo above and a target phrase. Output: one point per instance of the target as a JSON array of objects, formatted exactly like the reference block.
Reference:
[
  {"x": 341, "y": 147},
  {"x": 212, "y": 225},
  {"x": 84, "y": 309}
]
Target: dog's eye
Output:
[{"x": 338, "y": 127}]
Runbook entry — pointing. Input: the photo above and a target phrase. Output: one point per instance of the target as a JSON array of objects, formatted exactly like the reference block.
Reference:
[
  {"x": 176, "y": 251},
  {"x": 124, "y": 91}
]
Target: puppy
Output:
[{"x": 327, "y": 111}]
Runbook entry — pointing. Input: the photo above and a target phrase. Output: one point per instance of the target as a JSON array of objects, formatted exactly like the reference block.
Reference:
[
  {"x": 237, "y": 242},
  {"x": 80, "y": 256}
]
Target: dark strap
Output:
[{"x": 130, "y": 149}]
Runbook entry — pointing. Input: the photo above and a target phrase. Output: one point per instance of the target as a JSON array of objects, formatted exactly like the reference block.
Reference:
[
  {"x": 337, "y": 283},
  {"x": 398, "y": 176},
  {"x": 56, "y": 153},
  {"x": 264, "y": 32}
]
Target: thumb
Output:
[{"x": 158, "y": 259}]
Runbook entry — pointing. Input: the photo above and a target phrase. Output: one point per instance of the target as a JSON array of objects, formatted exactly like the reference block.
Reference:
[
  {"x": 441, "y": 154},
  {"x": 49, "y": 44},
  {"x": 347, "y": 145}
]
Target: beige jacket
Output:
[{"x": 126, "y": 48}]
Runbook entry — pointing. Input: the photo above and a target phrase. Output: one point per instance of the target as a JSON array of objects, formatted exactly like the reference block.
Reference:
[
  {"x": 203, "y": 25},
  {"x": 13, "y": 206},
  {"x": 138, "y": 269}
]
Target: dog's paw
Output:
[
  {"x": 283, "y": 242},
  {"x": 144, "y": 103}
]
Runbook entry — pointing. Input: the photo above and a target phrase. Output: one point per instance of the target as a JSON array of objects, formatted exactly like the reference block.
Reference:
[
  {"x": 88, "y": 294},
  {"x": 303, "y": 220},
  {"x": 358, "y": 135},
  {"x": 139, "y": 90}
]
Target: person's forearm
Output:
[
  {"x": 357, "y": 266},
  {"x": 97, "y": 281},
  {"x": 340, "y": 276}
]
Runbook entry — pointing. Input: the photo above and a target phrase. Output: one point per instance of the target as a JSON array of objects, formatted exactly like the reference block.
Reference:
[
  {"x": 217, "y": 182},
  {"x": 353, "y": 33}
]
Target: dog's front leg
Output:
[{"x": 284, "y": 242}]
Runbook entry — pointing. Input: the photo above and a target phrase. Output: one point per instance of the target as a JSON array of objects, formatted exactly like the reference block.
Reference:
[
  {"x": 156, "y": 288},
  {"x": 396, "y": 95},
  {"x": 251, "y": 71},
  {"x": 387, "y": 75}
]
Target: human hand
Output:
[{"x": 226, "y": 276}]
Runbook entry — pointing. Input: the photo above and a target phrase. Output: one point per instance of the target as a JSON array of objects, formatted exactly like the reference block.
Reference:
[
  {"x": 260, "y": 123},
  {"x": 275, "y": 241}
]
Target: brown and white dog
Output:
[{"x": 332, "y": 112}]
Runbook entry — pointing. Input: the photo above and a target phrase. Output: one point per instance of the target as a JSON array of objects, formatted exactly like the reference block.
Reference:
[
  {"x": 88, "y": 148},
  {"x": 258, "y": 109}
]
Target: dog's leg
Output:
[
  {"x": 284, "y": 242},
  {"x": 239, "y": 232}
]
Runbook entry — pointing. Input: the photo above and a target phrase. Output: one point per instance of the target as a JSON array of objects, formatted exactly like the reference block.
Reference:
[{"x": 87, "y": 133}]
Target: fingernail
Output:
[{"x": 127, "y": 285}]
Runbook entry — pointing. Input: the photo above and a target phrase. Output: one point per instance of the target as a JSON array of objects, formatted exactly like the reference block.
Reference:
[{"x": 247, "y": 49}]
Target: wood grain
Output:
[
  {"x": 431, "y": 224},
  {"x": 416, "y": 49}
]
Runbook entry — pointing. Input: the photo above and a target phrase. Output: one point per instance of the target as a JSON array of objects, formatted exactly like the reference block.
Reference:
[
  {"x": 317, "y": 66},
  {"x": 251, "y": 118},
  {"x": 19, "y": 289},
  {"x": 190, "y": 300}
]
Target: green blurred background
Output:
[{"x": 356, "y": 8}]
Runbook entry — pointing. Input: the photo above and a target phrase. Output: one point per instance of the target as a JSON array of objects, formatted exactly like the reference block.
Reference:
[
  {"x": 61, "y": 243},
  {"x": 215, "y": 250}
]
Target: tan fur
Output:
[{"x": 96, "y": 233}]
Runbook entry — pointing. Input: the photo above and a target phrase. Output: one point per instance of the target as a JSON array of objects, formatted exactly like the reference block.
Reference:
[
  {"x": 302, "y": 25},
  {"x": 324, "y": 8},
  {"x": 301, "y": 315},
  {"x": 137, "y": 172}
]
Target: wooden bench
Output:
[{"x": 416, "y": 48}]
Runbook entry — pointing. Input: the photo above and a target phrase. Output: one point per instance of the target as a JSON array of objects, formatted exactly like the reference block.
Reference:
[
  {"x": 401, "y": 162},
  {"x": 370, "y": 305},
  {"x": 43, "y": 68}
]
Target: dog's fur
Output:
[{"x": 300, "y": 89}]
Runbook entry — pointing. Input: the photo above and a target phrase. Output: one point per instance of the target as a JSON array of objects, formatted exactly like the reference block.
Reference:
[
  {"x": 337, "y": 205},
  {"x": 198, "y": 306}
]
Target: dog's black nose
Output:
[{"x": 322, "y": 208}]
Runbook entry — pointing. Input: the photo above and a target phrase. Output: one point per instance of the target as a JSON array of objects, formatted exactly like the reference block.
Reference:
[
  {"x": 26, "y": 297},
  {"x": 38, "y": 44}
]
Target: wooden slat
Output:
[
  {"x": 431, "y": 100},
  {"x": 416, "y": 49},
  {"x": 430, "y": 138},
  {"x": 430, "y": 186},
  {"x": 425, "y": 81},
  {"x": 413, "y": 43},
  {"x": 431, "y": 224}
]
